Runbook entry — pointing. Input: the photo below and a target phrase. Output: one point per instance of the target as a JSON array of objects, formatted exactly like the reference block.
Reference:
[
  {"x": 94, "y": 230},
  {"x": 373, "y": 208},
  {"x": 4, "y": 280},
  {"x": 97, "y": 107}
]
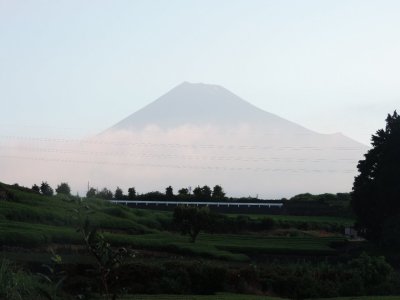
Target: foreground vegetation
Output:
[{"x": 289, "y": 256}]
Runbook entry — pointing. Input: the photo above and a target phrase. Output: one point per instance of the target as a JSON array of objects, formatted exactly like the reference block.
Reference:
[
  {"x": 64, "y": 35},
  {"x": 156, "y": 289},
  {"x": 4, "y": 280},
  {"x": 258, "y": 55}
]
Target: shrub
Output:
[
  {"x": 267, "y": 223},
  {"x": 18, "y": 285}
]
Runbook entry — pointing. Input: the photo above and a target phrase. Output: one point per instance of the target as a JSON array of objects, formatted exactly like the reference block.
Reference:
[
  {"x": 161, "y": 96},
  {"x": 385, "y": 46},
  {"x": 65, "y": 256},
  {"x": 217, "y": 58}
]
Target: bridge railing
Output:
[{"x": 195, "y": 203}]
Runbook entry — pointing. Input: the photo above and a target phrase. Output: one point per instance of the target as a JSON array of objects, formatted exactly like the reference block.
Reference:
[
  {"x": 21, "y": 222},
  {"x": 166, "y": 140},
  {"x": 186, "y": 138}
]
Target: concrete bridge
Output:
[{"x": 234, "y": 207}]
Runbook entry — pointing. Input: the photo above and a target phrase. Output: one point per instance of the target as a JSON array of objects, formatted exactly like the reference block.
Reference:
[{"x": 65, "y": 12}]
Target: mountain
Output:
[
  {"x": 199, "y": 134},
  {"x": 203, "y": 104}
]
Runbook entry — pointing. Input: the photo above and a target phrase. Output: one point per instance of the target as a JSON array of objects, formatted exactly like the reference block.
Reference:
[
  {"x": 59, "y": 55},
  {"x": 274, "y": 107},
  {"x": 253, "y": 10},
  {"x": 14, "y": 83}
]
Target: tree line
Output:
[{"x": 204, "y": 193}]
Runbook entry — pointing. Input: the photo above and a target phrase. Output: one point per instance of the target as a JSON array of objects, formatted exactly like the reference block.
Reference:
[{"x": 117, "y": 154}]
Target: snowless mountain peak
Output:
[
  {"x": 203, "y": 133},
  {"x": 201, "y": 104}
]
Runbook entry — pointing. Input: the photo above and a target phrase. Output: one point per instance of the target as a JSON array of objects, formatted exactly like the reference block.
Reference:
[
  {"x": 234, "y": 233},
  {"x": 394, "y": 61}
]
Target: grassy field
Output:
[
  {"x": 311, "y": 219},
  {"x": 32, "y": 224},
  {"x": 317, "y": 223},
  {"x": 258, "y": 244},
  {"x": 32, "y": 220},
  {"x": 227, "y": 247}
]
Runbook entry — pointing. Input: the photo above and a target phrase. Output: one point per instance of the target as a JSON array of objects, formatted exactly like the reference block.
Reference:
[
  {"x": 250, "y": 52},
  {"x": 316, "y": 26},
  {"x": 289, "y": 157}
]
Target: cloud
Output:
[{"x": 245, "y": 162}]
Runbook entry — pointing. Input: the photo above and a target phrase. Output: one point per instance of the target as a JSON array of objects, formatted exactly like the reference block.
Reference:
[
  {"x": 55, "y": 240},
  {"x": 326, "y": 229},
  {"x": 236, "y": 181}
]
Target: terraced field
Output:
[
  {"x": 311, "y": 219},
  {"x": 31, "y": 220},
  {"x": 257, "y": 244},
  {"x": 227, "y": 247},
  {"x": 31, "y": 224}
]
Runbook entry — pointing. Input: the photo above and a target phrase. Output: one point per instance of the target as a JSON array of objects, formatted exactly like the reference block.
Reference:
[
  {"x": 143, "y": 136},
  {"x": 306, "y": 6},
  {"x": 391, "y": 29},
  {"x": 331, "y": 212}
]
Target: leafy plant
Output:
[
  {"x": 53, "y": 277},
  {"x": 15, "y": 284},
  {"x": 191, "y": 220},
  {"x": 108, "y": 259}
]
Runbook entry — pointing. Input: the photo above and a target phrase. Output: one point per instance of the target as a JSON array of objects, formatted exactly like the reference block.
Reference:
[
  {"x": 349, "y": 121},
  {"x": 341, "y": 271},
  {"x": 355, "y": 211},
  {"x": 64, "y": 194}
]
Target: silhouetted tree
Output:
[
  {"x": 152, "y": 196},
  {"x": 206, "y": 192},
  {"x": 202, "y": 193},
  {"x": 218, "y": 193},
  {"x": 46, "y": 189},
  {"x": 119, "y": 194},
  {"x": 131, "y": 193},
  {"x": 197, "y": 193},
  {"x": 63, "y": 188},
  {"x": 169, "y": 192},
  {"x": 303, "y": 197},
  {"x": 376, "y": 190},
  {"x": 91, "y": 193},
  {"x": 35, "y": 188},
  {"x": 345, "y": 197},
  {"x": 191, "y": 220},
  {"x": 183, "y": 192},
  {"x": 105, "y": 194}
]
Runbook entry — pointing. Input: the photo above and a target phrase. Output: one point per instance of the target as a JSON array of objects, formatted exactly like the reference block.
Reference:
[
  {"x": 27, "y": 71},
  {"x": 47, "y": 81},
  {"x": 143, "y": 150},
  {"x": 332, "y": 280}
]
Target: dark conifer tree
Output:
[
  {"x": 131, "y": 193},
  {"x": 119, "y": 194},
  {"x": 376, "y": 190},
  {"x": 169, "y": 192}
]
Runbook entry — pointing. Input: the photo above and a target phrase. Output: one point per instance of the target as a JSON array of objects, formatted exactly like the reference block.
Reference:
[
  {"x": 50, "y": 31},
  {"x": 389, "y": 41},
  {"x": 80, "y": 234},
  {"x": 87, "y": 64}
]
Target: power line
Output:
[
  {"x": 192, "y": 129},
  {"x": 21, "y": 125},
  {"x": 179, "y": 145},
  {"x": 288, "y": 170},
  {"x": 176, "y": 156}
]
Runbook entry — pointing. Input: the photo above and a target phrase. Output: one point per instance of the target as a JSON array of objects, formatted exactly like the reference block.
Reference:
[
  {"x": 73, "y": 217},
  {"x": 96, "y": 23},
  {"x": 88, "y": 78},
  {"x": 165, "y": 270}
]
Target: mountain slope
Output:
[
  {"x": 203, "y": 104},
  {"x": 204, "y": 134}
]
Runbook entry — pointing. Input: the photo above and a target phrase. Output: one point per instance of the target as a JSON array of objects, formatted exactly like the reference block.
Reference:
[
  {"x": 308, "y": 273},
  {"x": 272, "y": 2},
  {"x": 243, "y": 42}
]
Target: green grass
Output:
[
  {"x": 300, "y": 219},
  {"x": 31, "y": 220},
  {"x": 59, "y": 211},
  {"x": 257, "y": 244},
  {"x": 15, "y": 284},
  {"x": 226, "y": 247},
  {"x": 34, "y": 235}
]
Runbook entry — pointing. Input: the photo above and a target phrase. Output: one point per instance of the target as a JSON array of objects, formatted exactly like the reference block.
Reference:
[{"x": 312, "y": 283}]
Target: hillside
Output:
[
  {"x": 267, "y": 255},
  {"x": 31, "y": 220}
]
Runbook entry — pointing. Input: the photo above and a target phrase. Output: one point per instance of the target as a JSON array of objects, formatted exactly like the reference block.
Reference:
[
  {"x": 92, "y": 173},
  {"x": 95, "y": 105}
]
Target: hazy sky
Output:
[{"x": 74, "y": 68}]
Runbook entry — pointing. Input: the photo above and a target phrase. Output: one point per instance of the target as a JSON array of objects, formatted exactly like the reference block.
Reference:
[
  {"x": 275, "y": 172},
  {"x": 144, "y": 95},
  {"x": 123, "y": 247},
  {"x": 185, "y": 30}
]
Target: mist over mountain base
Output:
[{"x": 244, "y": 160}]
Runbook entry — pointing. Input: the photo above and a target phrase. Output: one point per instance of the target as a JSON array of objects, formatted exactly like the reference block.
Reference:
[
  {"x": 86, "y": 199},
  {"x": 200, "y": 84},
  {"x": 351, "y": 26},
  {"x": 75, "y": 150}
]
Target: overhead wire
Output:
[
  {"x": 241, "y": 158},
  {"x": 178, "y": 145},
  {"x": 176, "y": 156},
  {"x": 286, "y": 170}
]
